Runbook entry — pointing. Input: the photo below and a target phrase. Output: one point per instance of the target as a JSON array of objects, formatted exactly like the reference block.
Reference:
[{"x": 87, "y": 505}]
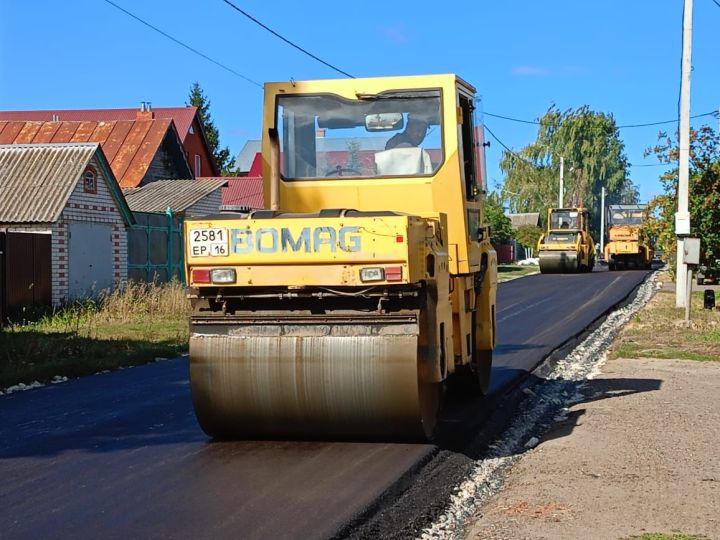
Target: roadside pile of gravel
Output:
[
  {"x": 21, "y": 387},
  {"x": 546, "y": 403}
]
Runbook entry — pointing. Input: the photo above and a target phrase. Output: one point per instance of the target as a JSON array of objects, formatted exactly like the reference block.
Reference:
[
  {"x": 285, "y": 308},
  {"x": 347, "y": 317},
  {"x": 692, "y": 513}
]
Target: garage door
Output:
[{"x": 90, "y": 259}]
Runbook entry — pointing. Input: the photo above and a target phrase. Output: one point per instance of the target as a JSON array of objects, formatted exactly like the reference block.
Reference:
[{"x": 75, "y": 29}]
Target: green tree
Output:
[
  {"x": 500, "y": 225},
  {"x": 198, "y": 99},
  {"x": 594, "y": 158},
  {"x": 528, "y": 235},
  {"x": 703, "y": 194}
]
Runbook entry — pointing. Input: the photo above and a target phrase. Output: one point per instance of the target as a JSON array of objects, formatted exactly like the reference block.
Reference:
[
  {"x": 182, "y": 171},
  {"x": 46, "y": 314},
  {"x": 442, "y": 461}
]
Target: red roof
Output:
[
  {"x": 182, "y": 116},
  {"x": 128, "y": 145},
  {"x": 243, "y": 191}
]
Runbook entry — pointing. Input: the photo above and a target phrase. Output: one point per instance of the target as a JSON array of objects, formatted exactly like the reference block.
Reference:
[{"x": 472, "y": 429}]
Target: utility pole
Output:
[
  {"x": 602, "y": 221},
  {"x": 682, "y": 217},
  {"x": 562, "y": 185}
]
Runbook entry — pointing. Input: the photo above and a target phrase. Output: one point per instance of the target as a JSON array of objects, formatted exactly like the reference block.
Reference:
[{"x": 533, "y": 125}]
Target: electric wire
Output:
[
  {"x": 283, "y": 38},
  {"x": 188, "y": 47},
  {"x": 711, "y": 113},
  {"x": 512, "y": 152},
  {"x": 518, "y": 156}
]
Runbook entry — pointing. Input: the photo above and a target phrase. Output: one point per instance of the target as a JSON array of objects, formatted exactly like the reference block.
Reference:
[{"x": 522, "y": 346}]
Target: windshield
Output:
[
  {"x": 626, "y": 217},
  {"x": 565, "y": 220},
  {"x": 388, "y": 134}
]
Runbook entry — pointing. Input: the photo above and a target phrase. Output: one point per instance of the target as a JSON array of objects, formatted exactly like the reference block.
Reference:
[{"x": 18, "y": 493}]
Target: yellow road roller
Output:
[
  {"x": 566, "y": 246},
  {"x": 626, "y": 248},
  {"x": 342, "y": 309}
]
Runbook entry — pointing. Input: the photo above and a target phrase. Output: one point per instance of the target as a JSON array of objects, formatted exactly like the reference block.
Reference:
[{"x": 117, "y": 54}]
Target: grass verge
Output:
[
  {"x": 659, "y": 331},
  {"x": 509, "y": 271},
  {"x": 130, "y": 326}
]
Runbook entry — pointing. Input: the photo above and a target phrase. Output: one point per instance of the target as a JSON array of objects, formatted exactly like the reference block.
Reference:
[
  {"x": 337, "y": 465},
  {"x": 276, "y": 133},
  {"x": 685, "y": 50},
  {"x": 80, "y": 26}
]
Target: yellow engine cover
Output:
[{"x": 288, "y": 251}]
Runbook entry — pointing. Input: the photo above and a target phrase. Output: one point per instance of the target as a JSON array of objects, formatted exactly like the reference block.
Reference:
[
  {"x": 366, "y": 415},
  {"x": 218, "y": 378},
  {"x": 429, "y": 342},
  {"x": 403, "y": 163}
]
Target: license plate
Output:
[{"x": 208, "y": 242}]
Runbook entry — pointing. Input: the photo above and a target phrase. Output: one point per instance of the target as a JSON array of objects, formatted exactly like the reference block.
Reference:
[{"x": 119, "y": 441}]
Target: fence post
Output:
[{"x": 169, "y": 239}]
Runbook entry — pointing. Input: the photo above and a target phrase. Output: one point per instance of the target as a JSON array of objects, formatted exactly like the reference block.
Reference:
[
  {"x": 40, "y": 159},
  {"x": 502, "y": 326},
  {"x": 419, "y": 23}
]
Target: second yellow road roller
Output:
[
  {"x": 566, "y": 246},
  {"x": 627, "y": 247},
  {"x": 342, "y": 309}
]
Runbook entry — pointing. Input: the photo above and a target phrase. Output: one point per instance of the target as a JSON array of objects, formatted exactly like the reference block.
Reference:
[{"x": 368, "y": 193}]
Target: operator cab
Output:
[{"x": 393, "y": 133}]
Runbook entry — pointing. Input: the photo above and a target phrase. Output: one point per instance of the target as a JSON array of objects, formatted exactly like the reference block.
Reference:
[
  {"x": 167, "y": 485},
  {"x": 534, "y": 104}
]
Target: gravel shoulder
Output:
[{"x": 638, "y": 453}]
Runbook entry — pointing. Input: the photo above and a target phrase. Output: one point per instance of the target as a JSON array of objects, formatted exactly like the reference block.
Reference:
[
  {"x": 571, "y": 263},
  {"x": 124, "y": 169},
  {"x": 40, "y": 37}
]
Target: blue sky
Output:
[{"x": 618, "y": 57}]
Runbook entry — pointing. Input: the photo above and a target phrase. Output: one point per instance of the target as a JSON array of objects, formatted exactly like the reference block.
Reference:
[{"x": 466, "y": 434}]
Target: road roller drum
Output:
[
  {"x": 558, "y": 262},
  {"x": 339, "y": 377}
]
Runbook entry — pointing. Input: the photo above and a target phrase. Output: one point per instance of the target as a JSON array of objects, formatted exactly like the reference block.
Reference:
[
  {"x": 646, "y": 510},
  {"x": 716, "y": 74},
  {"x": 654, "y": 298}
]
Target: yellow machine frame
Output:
[{"x": 439, "y": 238}]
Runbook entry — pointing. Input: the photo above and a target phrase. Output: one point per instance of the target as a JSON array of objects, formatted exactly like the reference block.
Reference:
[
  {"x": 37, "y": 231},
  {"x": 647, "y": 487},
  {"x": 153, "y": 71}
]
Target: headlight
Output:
[
  {"x": 222, "y": 275},
  {"x": 372, "y": 274}
]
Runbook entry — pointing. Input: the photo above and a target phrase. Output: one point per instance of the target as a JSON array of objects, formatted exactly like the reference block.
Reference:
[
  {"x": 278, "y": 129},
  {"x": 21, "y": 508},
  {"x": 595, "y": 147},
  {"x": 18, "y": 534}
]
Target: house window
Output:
[
  {"x": 90, "y": 180},
  {"x": 198, "y": 165}
]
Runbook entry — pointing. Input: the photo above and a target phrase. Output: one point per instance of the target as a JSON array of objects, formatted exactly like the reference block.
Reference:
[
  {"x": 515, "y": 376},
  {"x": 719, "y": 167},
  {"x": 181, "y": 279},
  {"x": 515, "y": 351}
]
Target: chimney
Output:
[
  {"x": 320, "y": 133},
  {"x": 55, "y": 117},
  {"x": 145, "y": 112}
]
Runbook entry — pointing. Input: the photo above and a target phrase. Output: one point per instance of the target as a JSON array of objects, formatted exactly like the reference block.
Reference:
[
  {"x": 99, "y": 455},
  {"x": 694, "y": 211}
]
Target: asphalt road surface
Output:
[{"x": 120, "y": 455}]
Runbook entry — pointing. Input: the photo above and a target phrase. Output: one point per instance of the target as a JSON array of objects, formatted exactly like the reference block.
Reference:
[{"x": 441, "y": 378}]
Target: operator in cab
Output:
[{"x": 413, "y": 135}]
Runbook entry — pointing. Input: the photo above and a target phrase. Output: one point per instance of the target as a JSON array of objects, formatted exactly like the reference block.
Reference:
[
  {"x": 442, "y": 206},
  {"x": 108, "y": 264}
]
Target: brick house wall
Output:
[{"x": 84, "y": 207}]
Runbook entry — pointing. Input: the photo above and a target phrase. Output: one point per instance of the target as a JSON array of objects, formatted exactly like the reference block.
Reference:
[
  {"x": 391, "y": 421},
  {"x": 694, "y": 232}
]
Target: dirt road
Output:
[{"x": 641, "y": 453}]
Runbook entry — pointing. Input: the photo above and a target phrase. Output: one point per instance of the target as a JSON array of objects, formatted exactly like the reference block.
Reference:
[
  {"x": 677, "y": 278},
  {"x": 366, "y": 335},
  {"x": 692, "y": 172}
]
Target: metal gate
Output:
[
  {"x": 90, "y": 259},
  {"x": 155, "y": 248},
  {"x": 25, "y": 271}
]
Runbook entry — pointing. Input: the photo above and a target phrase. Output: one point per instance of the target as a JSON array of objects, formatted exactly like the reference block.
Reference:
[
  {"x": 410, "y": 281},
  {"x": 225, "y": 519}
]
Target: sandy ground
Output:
[{"x": 640, "y": 454}]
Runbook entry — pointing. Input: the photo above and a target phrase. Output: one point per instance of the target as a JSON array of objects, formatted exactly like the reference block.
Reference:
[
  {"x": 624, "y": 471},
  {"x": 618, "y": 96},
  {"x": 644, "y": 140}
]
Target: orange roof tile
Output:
[{"x": 129, "y": 145}]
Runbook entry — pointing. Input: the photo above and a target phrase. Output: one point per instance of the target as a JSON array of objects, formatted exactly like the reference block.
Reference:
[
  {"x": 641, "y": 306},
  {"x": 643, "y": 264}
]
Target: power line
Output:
[
  {"x": 512, "y": 119},
  {"x": 276, "y": 34},
  {"x": 711, "y": 113},
  {"x": 518, "y": 156},
  {"x": 188, "y": 47},
  {"x": 716, "y": 3},
  {"x": 513, "y": 153}
]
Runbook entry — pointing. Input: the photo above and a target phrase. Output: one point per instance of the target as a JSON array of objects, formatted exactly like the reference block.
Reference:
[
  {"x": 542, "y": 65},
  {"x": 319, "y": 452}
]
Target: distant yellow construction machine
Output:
[
  {"x": 341, "y": 310},
  {"x": 626, "y": 247},
  {"x": 566, "y": 246}
]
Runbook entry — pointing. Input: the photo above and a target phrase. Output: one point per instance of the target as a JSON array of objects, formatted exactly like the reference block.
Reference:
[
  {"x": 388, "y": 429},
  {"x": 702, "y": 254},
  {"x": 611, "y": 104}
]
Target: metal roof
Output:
[
  {"x": 179, "y": 195},
  {"x": 128, "y": 145},
  {"x": 182, "y": 116},
  {"x": 37, "y": 180},
  {"x": 246, "y": 157},
  {"x": 528, "y": 218},
  {"x": 244, "y": 191}
]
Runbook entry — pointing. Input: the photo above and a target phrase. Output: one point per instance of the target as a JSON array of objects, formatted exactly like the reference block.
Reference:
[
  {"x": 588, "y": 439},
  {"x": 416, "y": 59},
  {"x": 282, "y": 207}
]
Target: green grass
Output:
[
  {"x": 509, "y": 271},
  {"x": 658, "y": 331},
  {"x": 128, "y": 327}
]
